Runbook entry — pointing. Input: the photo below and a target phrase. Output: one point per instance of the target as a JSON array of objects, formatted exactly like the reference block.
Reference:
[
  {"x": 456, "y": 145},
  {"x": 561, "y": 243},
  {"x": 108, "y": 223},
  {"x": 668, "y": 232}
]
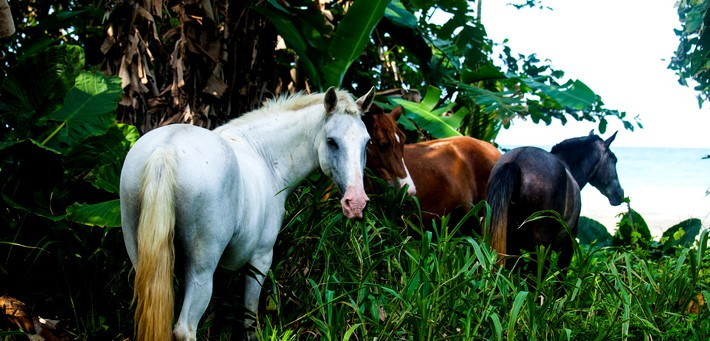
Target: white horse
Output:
[{"x": 217, "y": 197}]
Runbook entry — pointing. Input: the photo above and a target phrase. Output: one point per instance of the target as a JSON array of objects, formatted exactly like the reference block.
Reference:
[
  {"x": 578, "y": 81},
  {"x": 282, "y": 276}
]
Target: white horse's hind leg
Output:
[
  {"x": 252, "y": 285},
  {"x": 198, "y": 292}
]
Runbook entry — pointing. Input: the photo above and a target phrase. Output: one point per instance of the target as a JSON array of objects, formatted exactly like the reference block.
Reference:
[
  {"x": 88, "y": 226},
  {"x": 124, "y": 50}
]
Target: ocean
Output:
[{"x": 665, "y": 186}]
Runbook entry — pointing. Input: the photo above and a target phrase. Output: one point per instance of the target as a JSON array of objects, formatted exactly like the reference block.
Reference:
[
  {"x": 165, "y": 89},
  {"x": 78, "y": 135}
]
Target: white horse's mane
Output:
[{"x": 296, "y": 102}]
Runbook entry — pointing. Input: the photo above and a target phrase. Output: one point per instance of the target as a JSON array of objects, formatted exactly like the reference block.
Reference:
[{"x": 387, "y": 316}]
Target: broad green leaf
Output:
[
  {"x": 590, "y": 230},
  {"x": 501, "y": 103},
  {"x": 433, "y": 120},
  {"x": 26, "y": 98},
  {"x": 486, "y": 72},
  {"x": 105, "y": 214},
  {"x": 431, "y": 98},
  {"x": 130, "y": 133},
  {"x": 575, "y": 95},
  {"x": 89, "y": 110},
  {"x": 99, "y": 159},
  {"x": 399, "y": 15},
  {"x": 682, "y": 234},
  {"x": 278, "y": 6},
  {"x": 350, "y": 38}
]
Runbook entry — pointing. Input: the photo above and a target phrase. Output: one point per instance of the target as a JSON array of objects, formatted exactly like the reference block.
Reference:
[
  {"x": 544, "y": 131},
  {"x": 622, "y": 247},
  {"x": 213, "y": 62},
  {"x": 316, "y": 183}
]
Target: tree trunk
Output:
[{"x": 201, "y": 62}]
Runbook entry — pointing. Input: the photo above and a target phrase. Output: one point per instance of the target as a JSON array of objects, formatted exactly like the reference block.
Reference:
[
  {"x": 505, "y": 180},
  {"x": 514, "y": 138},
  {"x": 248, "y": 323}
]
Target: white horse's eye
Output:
[{"x": 331, "y": 143}]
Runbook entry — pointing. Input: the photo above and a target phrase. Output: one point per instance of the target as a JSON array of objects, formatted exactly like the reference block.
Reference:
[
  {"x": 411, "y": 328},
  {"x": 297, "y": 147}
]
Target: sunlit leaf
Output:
[
  {"x": 437, "y": 122},
  {"x": 106, "y": 214},
  {"x": 575, "y": 95},
  {"x": 351, "y": 36},
  {"x": 399, "y": 15},
  {"x": 89, "y": 110}
]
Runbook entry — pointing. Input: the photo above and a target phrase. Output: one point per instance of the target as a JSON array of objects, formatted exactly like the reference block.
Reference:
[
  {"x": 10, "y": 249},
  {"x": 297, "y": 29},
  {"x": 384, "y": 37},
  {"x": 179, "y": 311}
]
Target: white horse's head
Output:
[{"x": 341, "y": 148}]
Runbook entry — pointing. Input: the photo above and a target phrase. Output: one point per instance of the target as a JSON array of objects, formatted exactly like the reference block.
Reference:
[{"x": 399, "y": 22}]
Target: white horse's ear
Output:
[
  {"x": 364, "y": 102},
  {"x": 330, "y": 101},
  {"x": 608, "y": 141},
  {"x": 591, "y": 132}
]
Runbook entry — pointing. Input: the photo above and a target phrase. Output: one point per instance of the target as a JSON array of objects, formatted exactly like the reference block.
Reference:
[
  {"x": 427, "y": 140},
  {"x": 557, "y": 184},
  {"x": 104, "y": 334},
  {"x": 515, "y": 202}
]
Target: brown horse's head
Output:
[{"x": 385, "y": 152}]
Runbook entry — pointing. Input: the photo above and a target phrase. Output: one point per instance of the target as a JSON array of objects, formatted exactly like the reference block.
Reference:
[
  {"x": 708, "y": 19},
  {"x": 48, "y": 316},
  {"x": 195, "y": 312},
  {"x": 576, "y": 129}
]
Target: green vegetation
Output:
[
  {"x": 71, "y": 108},
  {"x": 691, "y": 58},
  {"x": 383, "y": 277}
]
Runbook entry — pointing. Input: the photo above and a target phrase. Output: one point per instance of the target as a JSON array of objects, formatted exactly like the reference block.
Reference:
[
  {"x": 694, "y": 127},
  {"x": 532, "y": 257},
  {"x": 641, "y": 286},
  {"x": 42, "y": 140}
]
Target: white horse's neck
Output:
[{"x": 286, "y": 140}]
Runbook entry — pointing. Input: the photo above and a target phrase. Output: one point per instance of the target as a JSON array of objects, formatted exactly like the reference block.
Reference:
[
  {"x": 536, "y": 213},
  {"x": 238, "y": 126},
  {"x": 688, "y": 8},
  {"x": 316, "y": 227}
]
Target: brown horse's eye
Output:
[{"x": 383, "y": 144}]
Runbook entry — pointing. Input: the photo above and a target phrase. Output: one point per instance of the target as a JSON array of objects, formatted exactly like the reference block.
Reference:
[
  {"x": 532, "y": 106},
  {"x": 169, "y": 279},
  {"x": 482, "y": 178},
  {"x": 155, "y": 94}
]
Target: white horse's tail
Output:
[{"x": 153, "y": 290}]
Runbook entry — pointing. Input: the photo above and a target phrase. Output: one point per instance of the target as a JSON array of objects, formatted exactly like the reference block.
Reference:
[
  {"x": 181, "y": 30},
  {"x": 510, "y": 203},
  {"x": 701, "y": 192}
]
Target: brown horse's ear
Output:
[
  {"x": 591, "y": 132},
  {"x": 368, "y": 117},
  {"x": 396, "y": 112},
  {"x": 365, "y": 101},
  {"x": 610, "y": 140},
  {"x": 330, "y": 101}
]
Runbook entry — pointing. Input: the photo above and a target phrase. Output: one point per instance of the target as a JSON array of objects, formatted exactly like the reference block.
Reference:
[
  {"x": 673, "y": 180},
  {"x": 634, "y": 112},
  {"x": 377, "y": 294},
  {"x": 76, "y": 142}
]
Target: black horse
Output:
[{"x": 526, "y": 180}]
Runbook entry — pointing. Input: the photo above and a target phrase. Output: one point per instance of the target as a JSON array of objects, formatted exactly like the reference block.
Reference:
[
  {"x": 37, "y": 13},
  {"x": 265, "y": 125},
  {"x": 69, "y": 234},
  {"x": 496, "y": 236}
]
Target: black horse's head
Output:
[
  {"x": 591, "y": 161},
  {"x": 604, "y": 176}
]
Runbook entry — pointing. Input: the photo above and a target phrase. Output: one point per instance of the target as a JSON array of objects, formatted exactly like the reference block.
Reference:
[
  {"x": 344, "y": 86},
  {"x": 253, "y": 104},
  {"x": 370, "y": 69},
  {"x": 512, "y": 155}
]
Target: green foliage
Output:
[
  {"x": 633, "y": 231},
  {"x": 692, "y": 58},
  {"x": 350, "y": 38},
  {"x": 58, "y": 194},
  {"x": 326, "y": 58},
  {"x": 89, "y": 110},
  {"x": 591, "y": 232},
  {"x": 681, "y": 235},
  {"x": 433, "y": 120},
  {"x": 382, "y": 276},
  {"x": 410, "y": 51}
]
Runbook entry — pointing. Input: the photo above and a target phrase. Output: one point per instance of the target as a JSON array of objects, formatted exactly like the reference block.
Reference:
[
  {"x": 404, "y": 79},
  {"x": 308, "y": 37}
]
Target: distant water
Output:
[{"x": 666, "y": 186}]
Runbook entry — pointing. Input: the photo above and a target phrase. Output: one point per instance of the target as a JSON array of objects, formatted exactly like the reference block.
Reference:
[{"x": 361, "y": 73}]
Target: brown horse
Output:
[
  {"x": 527, "y": 180},
  {"x": 446, "y": 175}
]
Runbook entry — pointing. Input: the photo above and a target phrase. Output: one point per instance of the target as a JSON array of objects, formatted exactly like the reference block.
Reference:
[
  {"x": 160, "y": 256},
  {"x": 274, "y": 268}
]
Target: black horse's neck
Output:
[{"x": 581, "y": 157}]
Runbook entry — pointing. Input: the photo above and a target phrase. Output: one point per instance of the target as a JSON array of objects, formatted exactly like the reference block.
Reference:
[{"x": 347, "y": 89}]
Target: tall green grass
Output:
[{"x": 384, "y": 277}]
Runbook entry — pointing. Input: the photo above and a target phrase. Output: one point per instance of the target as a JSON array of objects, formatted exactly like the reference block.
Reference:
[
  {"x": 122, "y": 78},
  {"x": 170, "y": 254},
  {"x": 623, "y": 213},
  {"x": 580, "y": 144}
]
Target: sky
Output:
[{"x": 621, "y": 50}]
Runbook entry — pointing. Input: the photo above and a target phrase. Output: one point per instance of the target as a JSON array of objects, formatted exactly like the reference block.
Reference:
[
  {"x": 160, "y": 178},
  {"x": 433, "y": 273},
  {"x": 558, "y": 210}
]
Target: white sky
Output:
[{"x": 621, "y": 50}]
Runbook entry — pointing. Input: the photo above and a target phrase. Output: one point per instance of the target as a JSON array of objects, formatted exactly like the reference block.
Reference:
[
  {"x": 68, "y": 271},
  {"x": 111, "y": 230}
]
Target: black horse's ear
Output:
[
  {"x": 608, "y": 141},
  {"x": 396, "y": 112},
  {"x": 591, "y": 132},
  {"x": 330, "y": 101}
]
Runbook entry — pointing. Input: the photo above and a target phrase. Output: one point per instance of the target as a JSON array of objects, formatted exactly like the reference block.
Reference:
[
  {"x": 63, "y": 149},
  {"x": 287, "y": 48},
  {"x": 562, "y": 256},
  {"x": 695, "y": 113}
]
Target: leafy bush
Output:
[{"x": 61, "y": 154}]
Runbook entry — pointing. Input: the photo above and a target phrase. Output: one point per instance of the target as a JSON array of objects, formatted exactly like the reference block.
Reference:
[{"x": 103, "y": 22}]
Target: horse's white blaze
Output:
[
  {"x": 344, "y": 159},
  {"x": 407, "y": 180}
]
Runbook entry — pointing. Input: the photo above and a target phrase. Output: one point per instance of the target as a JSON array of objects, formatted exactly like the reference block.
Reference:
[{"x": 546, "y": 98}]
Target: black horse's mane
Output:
[{"x": 574, "y": 144}]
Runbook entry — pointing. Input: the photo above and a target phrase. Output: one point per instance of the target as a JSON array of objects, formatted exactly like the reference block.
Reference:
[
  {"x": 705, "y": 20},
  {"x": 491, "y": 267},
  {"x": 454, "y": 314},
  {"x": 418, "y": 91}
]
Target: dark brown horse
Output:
[
  {"x": 527, "y": 180},
  {"x": 446, "y": 175}
]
